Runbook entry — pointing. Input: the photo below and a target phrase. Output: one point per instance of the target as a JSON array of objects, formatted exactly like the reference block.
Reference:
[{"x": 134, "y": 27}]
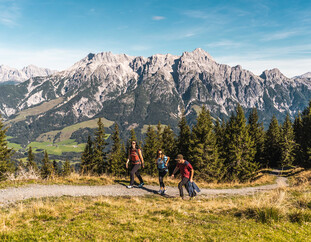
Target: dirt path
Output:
[{"x": 12, "y": 195}]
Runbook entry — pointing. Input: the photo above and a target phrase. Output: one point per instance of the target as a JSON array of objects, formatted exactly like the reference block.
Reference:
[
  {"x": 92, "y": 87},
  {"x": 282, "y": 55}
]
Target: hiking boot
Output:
[
  {"x": 164, "y": 191},
  {"x": 129, "y": 187},
  {"x": 160, "y": 191},
  {"x": 141, "y": 185}
]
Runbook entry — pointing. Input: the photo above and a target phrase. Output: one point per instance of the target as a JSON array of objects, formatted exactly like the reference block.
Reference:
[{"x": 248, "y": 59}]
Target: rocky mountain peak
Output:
[{"x": 273, "y": 74}]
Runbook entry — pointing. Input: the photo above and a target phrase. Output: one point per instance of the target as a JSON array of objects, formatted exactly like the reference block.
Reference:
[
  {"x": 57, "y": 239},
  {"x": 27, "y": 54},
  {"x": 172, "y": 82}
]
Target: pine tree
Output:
[
  {"x": 5, "y": 152},
  {"x": 272, "y": 143},
  {"x": 169, "y": 146},
  {"x": 159, "y": 135},
  {"x": 257, "y": 134},
  {"x": 132, "y": 138},
  {"x": 55, "y": 168},
  {"x": 299, "y": 136},
  {"x": 183, "y": 141},
  {"x": 31, "y": 164},
  {"x": 150, "y": 151},
  {"x": 66, "y": 168},
  {"x": 47, "y": 168},
  {"x": 116, "y": 161},
  {"x": 240, "y": 150},
  {"x": 287, "y": 143},
  {"x": 100, "y": 159},
  {"x": 87, "y": 158},
  {"x": 203, "y": 150}
]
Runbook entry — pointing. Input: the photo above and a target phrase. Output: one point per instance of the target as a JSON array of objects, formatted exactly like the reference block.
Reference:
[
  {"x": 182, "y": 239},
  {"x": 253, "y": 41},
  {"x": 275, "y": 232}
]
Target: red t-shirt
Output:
[{"x": 185, "y": 169}]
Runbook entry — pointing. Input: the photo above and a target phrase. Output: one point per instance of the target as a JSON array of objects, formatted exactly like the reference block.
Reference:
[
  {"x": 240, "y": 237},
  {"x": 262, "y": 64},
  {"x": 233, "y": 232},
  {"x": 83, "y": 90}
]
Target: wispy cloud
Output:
[
  {"x": 280, "y": 35},
  {"x": 224, "y": 44},
  {"x": 9, "y": 13},
  {"x": 140, "y": 47},
  {"x": 158, "y": 18}
]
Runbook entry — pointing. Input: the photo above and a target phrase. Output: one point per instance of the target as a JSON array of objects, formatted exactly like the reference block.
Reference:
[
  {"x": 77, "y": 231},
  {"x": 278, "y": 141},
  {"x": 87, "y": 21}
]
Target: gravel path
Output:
[{"x": 11, "y": 195}]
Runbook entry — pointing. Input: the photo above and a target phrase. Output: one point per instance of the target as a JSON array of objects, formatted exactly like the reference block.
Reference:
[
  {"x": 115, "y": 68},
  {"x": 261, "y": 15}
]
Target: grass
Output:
[
  {"x": 66, "y": 133},
  {"x": 57, "y": 148},
  {"x": 273, "y": 216},
  {"x": 36, "y": 110},
  {"x": 77, "y": 179}
]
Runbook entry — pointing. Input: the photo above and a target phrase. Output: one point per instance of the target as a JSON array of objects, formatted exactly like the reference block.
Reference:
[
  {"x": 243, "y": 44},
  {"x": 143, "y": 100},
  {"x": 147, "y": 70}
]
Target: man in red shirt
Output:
[{"x": 186, "y": 171}]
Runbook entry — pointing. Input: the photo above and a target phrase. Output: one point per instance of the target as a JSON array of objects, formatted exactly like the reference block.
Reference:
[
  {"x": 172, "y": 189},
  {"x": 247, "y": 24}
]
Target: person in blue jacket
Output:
[{"x": 162, "y": 162}]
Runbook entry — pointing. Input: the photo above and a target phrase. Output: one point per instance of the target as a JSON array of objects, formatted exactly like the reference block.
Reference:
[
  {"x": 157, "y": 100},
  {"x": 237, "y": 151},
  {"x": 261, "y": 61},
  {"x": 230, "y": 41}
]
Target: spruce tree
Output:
[
  {"x": 169, "y": 146},
  {"x": 150, "y": 151},
  {"x": 47, "y": 168},
  {"x": 100, "y": 159},
  {"x": 299, "y": 137},
  {"x": 116, "y": 161},
  {"x": 5, "y": 152},
  {"x": 240, "y": 149},
  {"x": 31, "y": 164},
  {"x": 55, "y": 168},
  {"x": 272, "y": 143},
  {"x": 87, "y": 157},
  {"x": 287, "y": 143},
  {"x": 203, "y": 149},
  {"x": 66, "y": 168},
  {"x": 257, "y": 134},
  {"x": 159, "y": 135},
  {"x": 183, "y": 141}
]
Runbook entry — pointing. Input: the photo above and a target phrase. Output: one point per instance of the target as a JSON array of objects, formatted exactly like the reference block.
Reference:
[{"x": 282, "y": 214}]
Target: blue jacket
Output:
[{"x": 193, "y": 189}]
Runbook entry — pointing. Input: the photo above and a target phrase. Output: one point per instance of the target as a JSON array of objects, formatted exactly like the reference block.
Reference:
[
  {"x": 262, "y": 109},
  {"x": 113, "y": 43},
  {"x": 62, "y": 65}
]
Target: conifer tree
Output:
[
  {"x": 56, "y": 170},
  {"x": 240, "y": 150},
  {"x": 183, "y": 141},
  {"x": 100, "y": 159},
  {"x": 116, "y": 161},
  {"x": 305, "y": 142},
  {"x": 169, "y": 146},
  {"x": 272, "y": 143},
  {"x": 150, "y": 151},
  {"x": 159, "y": 135},
  {"x": 66, "y": 168},
  {"x": 132, "y": 138},
  {"x": 257, "y": 134},
  {"x": 5, "y": 152},
  {"x": 47, "y": 167},
  {"x": 299, "y": 137},
  {"x": 287, "y": 143},
  {"x": 203, "y": 150},
  {"x": 87, "y": 158},
  {"x": 31, "y": 160}
]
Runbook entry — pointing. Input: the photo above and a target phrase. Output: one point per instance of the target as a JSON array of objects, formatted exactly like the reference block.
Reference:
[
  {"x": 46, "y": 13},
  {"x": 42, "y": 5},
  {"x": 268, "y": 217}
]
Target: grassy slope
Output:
[
  {"x": 36, "y": 110},
  {"x": 66, "y": 133},
  {"x": 158, "y": 218}
]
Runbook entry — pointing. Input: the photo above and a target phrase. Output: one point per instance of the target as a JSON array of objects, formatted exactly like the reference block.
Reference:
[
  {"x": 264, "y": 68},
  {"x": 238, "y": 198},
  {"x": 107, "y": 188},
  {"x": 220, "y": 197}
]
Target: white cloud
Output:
[
  {"x": 289, "y": 67},
  {"x": 9, "y": 13},
  {"x": 279, "y": 35},
  {"x": 224, "y": 44},
  {"x": 157, "y": 18},
  {"x": 56, "y": 59}
]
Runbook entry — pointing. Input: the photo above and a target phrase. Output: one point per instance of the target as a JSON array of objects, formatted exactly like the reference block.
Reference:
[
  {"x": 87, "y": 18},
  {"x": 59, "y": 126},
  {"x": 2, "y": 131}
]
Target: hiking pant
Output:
[
  {"x": 161, "y": 176},
  {"x": 184, "y": 182},
  {"x": 135, "y": 170}
]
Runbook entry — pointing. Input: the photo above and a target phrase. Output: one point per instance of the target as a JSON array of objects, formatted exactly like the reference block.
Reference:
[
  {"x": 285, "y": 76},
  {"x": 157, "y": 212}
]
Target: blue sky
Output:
[{"x": 257, "y": 34}]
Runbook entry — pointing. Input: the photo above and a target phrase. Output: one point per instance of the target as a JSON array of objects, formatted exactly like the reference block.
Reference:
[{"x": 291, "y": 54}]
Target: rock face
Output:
[
  {"x": 10, "y": 75},
  {"x": 135, "y": 91}
]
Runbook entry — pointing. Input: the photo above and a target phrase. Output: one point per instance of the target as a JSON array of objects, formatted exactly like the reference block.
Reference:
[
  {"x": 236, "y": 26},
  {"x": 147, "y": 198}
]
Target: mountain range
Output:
[
  {"x": 138, "y": 91},
  {"x": 10, "y": 75}
]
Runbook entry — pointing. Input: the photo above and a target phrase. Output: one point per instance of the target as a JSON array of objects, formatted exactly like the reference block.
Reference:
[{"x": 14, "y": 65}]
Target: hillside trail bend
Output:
[{"x": 15, "y": 194}]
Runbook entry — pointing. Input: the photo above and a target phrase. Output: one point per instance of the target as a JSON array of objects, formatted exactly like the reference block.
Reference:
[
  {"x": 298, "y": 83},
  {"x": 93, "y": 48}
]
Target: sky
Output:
[{"x": 256, "y": 34}]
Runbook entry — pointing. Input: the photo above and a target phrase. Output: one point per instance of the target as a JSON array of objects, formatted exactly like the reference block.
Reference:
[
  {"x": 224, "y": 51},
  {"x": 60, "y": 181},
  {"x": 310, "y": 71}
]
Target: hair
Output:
[
  {"x": 161, "y": 155},
  {"x": 136, "y": 145}
]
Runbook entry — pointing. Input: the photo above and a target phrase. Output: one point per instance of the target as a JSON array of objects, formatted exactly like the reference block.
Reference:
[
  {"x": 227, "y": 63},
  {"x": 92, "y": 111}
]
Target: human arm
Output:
[
  {"x": 175, "y": 170},
  {"x": 141, "y": 158},
  {"x": 168, "y": 159},
  {"x": 191, "y": 175},
  {"x": 128, "y": 160}
]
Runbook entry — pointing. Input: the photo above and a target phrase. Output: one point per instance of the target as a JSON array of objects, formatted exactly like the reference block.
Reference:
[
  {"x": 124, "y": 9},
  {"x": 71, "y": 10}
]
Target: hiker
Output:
[
  {"x": 186, "y": 171},
  {"x": 162, "y": 161},
  {"x": 137, "y": 161}
]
